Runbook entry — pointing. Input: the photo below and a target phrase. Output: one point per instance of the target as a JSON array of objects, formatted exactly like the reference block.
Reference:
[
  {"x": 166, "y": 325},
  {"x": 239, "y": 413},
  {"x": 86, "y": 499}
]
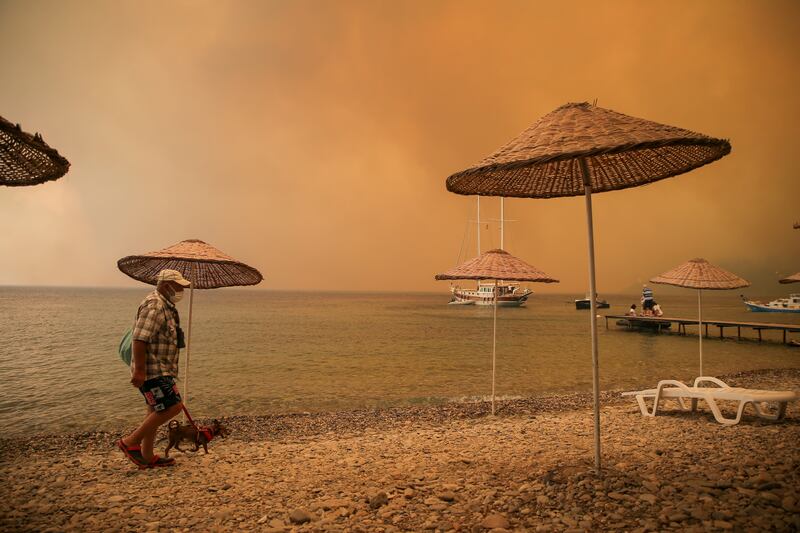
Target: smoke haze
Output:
[{"x": 312, "y": 140}]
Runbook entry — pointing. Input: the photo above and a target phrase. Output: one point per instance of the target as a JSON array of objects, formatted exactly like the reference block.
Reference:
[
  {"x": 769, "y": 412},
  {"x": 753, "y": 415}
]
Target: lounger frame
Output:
[{"x": 676, "y": 390}]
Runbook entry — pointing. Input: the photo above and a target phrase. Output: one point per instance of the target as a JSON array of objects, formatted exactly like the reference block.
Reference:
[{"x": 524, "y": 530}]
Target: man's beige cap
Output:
[{"x": 172, "y": 275}]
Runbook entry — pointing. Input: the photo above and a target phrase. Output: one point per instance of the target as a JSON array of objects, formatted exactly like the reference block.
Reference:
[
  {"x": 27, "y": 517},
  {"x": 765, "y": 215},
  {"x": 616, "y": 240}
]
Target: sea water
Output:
[{"x": 258, "y": 352}]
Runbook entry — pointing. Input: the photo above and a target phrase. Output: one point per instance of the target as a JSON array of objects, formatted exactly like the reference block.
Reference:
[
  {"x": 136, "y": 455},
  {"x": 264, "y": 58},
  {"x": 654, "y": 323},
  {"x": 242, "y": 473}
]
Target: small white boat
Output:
[
  {"x": 781, "y": 305},
  {"x": 508, "y": 295}
]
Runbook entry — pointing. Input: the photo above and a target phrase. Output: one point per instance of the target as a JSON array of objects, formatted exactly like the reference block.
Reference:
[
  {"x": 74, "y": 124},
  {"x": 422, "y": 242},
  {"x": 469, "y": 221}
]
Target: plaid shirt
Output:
[{"x": 156, "y": 324}]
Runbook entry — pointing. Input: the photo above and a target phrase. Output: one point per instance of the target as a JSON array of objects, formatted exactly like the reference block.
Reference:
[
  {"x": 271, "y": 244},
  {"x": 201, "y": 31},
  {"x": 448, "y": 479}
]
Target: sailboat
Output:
[{"x": 508, "y": 294}]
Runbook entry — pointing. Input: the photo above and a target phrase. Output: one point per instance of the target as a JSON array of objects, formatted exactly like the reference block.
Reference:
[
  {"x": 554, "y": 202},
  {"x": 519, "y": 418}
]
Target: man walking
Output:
[{"x": 156, "y": 341}]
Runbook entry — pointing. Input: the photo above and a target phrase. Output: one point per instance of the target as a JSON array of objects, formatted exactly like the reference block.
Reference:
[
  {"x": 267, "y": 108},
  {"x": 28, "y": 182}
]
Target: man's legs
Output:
[{"x": 145, "y": 434}]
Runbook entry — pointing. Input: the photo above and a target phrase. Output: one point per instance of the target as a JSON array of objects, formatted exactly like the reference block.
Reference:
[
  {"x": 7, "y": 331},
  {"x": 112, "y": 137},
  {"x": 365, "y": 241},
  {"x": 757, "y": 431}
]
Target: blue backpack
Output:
[{"x": 125, "y": 347}]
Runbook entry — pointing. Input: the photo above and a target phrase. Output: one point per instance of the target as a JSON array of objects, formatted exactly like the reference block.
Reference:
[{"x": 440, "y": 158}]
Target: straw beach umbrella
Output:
[
  {"x": 26, "y": 159},
  {"x": 700, "y": 274},
  {"x": 496, "y": 265},
  {"x": 202, "y": 264},
  {"x": 580, "y": 149}
]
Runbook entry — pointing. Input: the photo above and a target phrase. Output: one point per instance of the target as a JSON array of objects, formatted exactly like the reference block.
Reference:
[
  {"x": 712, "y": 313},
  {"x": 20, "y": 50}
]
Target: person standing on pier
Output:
[{"x": 647, "y": 301}]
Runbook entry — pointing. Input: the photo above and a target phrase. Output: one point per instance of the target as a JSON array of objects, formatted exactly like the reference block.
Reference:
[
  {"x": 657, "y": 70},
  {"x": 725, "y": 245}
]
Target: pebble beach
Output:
[{"x": 451, "y": 467}]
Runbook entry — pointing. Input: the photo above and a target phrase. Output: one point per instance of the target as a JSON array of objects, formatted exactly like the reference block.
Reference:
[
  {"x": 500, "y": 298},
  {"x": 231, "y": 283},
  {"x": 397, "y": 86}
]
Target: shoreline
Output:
[
  {"x": 277, "y": 426},
  {"x": 436, "y": 468}
]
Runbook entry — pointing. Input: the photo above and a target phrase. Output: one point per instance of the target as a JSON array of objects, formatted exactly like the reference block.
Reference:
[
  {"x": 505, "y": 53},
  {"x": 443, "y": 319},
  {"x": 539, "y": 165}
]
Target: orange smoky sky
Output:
[{"x": 312, "y": 139}]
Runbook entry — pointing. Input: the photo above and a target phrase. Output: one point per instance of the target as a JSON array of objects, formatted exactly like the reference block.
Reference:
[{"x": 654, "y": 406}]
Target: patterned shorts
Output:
[{"x": 160, "y": 393}]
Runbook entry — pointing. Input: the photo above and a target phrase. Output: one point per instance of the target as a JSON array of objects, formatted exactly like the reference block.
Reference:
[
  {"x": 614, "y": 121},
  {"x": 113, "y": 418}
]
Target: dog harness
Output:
[{"x": 206, "y": 431}]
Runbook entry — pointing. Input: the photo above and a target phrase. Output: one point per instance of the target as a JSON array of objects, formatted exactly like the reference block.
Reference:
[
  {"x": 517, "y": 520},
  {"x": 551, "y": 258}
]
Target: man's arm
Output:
[{"x": 139, "y": 362}]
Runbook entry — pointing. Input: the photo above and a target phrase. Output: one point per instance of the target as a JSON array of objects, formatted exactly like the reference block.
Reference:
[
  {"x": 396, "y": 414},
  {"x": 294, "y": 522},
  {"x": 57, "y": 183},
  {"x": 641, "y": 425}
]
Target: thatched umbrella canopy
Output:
[
  {"x": 580, "y": 149},
  {"x": 202, "y": 264},
  {"x": 26, "y": 159},
  {"x": 496, "y": 265},
  {"x": 794, "y": 278},
  {"x": 620, "y": 151},
  {"x": 700, "y": 274}
]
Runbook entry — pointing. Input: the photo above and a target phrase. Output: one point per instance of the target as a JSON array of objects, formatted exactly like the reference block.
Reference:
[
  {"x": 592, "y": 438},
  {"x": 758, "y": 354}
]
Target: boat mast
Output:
[
  {"x": 479, "y": 225},
  {"x": 502, "y": 244}
]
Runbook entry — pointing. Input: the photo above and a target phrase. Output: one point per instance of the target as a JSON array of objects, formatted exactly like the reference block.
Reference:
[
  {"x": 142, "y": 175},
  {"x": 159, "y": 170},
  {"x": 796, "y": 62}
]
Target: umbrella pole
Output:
[
  {"x": 593, "y": 315},
  {"x": 700, "y": 326},
  {"x": 494, "y": 342},
  {"x": 189, "y": 339}
]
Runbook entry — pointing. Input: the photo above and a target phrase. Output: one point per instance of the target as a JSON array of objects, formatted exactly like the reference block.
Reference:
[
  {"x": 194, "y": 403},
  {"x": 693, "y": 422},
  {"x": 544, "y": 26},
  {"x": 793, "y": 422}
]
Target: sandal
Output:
[
  {"x": 157, "y": 461},
  {"x": 134, "y": 453}
]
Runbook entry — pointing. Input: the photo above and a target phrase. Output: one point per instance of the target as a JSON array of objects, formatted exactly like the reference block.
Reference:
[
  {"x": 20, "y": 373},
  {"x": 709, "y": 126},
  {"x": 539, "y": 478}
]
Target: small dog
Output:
[{"x": 179, "y": 432}]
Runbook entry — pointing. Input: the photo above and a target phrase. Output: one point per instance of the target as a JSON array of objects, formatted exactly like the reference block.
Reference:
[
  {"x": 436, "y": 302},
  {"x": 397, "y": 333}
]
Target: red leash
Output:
[{"x": 204, "y": 430}]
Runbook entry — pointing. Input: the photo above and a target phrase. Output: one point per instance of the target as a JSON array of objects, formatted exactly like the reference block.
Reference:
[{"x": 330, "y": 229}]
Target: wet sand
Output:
[{"x": 449, "y": 467}]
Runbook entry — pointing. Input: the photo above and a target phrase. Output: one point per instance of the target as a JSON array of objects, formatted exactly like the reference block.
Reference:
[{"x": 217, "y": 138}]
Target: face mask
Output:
[{"x": 172, "y": 295}]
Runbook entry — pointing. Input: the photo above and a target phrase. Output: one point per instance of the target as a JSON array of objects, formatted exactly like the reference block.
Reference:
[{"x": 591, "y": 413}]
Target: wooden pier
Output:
[{"x": 661, "y": 323}]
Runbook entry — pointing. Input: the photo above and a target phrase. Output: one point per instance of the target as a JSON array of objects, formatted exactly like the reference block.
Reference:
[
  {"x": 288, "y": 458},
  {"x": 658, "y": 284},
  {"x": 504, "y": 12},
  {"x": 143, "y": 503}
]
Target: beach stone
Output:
[
  {"x": 378, "y": 500},
  {"x": 387, "y": 511},
  {"x": 447, "y": 496},
  {"x": 569, "y": 521},
  {"x": 762, "y": 477},
  {"x": 495, "y": 521},
  {"x": 276, "y": 522},
  {"x": 721, "y": 515},
  {"x": 542, "y": 500},
  {"x": 651, "y": 486},
  {"x": 299, "y": 516},
  {"x": 649, "y": 498},
  {"x": 409, "y": 493},
  {"x": 722, "y": 524},
  {"x": 333, "y": 503},
  {"x": 223, "y": 514},
  {"x": 789, "y": 503}
]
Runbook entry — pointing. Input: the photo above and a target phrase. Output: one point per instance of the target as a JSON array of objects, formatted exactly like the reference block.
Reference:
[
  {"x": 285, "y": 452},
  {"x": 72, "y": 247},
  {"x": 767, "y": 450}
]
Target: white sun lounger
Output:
[{"x": 676, "y": 390}]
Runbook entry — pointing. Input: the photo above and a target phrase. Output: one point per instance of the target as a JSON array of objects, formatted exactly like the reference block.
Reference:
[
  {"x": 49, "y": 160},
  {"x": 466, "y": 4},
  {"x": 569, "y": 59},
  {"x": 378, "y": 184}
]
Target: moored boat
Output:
[
  {"x": 781, "y": 305},
  {"x": 585, "y": 303},
  {"x": 508, "y": 295}
]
